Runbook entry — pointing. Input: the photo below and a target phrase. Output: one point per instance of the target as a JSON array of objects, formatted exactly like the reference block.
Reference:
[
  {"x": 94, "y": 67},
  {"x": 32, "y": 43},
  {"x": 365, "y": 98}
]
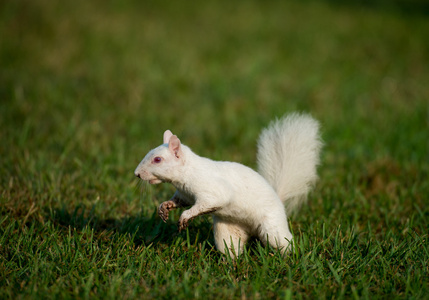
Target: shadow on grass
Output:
[{"x": 143, "y": 228}]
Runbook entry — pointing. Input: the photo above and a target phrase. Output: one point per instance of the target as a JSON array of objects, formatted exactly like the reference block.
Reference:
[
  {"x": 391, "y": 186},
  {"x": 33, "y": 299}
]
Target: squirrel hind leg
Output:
[
  {"x": 279, "y": 237},
  {"x": 229, "y": 237}
]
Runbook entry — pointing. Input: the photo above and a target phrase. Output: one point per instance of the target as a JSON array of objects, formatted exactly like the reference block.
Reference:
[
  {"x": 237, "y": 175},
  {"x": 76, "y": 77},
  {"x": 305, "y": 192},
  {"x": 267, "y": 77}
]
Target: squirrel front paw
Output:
[
  {"x": 165, "y": 208},
  {"x": 184, "y": 220},
  {"x": 183, "y": 224}
]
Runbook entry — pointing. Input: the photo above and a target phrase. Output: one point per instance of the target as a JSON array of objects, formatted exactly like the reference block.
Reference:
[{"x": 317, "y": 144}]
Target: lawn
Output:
[{"x": 88, "y": 87}]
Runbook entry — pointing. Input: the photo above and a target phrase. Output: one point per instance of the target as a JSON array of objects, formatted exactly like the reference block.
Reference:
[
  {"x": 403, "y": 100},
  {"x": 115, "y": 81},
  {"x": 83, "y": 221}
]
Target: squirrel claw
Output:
[
  {"x": 164, "y": 218},
  {"x": 164, "y": 208},
  {"x": 162, "y": 213},
  {"x": 183, "y": 224}
]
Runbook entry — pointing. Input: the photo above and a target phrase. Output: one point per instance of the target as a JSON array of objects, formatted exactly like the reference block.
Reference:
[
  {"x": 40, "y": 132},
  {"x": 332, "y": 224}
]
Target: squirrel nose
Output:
[{"x": 137, "y": 174}]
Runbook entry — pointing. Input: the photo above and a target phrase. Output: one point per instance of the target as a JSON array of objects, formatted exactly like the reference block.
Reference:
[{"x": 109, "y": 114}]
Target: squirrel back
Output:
[{"x": 288, "y": 154}]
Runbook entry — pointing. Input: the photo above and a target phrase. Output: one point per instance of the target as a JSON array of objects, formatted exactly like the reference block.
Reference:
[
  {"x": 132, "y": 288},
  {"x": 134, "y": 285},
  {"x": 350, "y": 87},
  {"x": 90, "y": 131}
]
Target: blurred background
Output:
[{"x": 88, "y": 87}]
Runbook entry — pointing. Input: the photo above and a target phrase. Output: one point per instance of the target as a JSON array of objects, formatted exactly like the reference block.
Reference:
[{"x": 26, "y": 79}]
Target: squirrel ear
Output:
[
  {"x": 174, "y": 146},
  {"x": 167, "y": 135}
]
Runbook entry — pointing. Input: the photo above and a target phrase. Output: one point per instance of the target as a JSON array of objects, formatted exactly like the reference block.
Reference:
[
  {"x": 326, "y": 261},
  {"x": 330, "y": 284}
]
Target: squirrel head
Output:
[{"x": 163, "y": 163}]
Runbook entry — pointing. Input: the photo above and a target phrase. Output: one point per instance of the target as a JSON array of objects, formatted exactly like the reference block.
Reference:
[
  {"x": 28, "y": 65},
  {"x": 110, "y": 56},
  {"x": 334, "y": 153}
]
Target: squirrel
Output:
[{"x": 244, "y": 203}]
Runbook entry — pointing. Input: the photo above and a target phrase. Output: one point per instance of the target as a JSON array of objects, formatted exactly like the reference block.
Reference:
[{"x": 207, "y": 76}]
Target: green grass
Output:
[{"x": 88, "y": 87}]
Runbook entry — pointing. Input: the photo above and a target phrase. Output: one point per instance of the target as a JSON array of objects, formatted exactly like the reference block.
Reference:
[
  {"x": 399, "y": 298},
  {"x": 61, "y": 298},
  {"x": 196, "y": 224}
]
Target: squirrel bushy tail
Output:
[{"x": 288, "y": 154}]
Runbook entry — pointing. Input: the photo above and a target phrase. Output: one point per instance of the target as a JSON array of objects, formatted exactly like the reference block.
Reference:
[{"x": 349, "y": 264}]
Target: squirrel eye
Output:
[{"x": 157, "y": 160}]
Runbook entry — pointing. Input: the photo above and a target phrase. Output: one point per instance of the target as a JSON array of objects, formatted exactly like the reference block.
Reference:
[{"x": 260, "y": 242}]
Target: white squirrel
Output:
[{"x": 243, "y": 203}]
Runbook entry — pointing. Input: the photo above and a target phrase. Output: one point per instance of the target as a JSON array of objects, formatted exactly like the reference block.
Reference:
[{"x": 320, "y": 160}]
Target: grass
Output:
[{"x": 87, "y": 88}]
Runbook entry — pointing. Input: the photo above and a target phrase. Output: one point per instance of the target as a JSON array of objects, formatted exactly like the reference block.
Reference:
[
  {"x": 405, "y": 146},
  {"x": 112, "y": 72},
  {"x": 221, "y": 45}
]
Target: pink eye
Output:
[{"x": 157, "y": 160}]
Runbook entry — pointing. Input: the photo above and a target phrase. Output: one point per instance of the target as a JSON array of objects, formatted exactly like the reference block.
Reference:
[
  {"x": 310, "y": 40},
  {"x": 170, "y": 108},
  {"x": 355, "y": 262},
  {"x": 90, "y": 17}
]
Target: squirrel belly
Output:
[{"x": 243, "y": 202}]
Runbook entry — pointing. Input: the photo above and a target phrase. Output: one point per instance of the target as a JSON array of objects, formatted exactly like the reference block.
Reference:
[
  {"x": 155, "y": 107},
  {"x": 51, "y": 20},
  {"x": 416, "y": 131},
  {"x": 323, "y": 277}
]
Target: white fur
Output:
[
  {"x": 242, "y": 202},
  {"x": 288, "y": 154}
]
